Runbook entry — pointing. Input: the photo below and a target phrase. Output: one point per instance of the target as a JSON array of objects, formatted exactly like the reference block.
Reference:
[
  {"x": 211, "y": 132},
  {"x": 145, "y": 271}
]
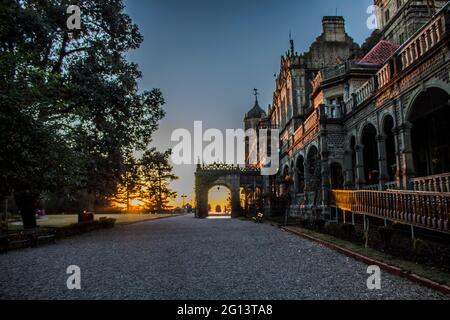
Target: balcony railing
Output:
[
  {"x": 423, "y": 209},
  {"x": 423, "y": 41},
  {"x": 417, "y": 46},
  {"x": 365, "y": 92},
  {"x": 331, "y": 111},
  {"x": 384, "y": 75},
  {"x": 310, "y": 124},
  {"x": 437, "y": 183}
]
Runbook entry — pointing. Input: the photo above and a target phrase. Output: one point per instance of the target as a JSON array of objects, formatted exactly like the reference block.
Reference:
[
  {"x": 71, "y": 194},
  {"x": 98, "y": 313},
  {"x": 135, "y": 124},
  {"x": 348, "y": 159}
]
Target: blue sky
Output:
[{"x": 207, "y": 55}]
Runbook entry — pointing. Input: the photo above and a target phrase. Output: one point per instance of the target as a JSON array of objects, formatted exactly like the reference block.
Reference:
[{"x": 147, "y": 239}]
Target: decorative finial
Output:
[
  {"x": 291, "y": 42},
  {"x": 256, "y": 95}
]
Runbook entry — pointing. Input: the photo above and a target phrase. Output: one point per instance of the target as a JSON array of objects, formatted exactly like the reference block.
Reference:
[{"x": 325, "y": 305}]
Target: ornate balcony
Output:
[
  {"x": 437, "y": 183},
  {"x": 422, "y": 209},
  {"x": 425, "y": 39}
]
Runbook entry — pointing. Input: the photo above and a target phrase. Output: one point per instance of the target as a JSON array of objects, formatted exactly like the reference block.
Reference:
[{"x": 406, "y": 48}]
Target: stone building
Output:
[
  {"x": 400, "y": 19},
  {"x": 377, "y": 123}
]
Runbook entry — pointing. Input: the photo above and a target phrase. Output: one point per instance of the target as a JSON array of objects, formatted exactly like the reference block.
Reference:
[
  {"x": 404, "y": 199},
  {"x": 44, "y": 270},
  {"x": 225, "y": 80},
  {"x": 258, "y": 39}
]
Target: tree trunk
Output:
[
  {"x": 91, "y": 202},
  {"x": 26, "y": 203},
  {"x": 128, "y": 201}
]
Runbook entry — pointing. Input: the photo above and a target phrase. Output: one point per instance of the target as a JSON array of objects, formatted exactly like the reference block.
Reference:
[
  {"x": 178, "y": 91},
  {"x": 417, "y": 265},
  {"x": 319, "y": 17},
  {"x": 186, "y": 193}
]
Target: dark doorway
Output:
[
  {"x": 390, "y": 147},
  {"x": 314, "y": 169},
  {"x": 337, "y": 177},
  {"x": 430, "y": 117},
  {"x": 371, "y": 167},
  {"x": 300, "y": 175}
]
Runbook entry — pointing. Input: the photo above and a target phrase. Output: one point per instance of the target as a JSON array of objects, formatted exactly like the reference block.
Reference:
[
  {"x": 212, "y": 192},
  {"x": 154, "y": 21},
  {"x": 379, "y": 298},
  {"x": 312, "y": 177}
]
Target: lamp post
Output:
[{"x": 184, "y": 198}]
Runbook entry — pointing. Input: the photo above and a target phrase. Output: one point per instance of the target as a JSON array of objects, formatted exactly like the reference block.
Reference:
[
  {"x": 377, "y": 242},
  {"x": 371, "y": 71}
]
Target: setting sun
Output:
[{"x": 137, "y": 203}]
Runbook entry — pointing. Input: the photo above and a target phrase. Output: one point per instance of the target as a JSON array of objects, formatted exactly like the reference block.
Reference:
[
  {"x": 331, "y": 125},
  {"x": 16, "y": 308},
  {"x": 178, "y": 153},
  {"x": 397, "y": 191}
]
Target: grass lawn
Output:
[{"x": 58, "y": 221}]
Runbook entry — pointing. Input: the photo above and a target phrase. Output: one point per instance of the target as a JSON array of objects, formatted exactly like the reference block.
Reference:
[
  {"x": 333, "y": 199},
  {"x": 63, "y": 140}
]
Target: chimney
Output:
[{"x": 334, "y": 28}]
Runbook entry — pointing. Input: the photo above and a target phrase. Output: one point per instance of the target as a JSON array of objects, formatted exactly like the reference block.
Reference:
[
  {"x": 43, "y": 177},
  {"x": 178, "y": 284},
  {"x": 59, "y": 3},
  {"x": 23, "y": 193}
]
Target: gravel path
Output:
[{"x": 185, "y": 258}]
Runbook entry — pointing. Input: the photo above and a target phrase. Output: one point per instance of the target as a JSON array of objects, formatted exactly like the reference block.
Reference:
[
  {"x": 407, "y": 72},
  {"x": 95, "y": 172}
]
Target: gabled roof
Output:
[{"x": 380, "y": 53}]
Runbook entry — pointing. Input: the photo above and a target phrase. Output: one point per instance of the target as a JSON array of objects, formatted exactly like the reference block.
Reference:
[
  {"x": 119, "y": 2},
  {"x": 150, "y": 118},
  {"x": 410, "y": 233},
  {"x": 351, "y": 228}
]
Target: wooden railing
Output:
[
  {"x": 437, "y": 183},
  {"x": 423, "y": 209}
]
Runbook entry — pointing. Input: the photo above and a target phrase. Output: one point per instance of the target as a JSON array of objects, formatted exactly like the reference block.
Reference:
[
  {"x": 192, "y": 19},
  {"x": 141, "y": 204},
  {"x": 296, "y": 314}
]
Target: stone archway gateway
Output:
[{"x": 232, "y": 177}]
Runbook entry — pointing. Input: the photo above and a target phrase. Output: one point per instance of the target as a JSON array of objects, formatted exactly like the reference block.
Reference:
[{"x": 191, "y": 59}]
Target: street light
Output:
[{"x": 184, "y": 198}]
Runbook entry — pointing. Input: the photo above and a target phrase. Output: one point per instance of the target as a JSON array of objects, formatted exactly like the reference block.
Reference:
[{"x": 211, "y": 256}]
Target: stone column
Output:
[
  {"x": 349, "y": 182},
  {"x": 325, "y": 172},
  {"x": 235, "y": 203},
  {"x": 382, "y": 161},
  {"x": 202, "y": 205},
  {"x": 360, "y": 173},
  {"x": 407, "y": 156},
  {"x": 246, "y": 199},
  {"x": 326, "y": 187},
  {"x": 296, "y": 182},
  {"x": 397, "y": 157},
  {"x": 307, "y": 180}
]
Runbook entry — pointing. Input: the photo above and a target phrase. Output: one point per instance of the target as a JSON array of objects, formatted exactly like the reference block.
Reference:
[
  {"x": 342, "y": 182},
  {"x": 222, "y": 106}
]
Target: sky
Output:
[{"x": 207, "y": 56}]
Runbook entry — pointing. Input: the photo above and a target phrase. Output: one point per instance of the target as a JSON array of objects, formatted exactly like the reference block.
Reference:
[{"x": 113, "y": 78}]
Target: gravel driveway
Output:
[{"x": 185, "y": 258}]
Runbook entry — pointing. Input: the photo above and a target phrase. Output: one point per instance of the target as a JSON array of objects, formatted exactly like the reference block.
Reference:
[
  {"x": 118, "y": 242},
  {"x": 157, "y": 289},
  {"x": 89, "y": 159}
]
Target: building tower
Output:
[
  {"x": 252, "y": 121},
  {"x": 398, "y": 20}
]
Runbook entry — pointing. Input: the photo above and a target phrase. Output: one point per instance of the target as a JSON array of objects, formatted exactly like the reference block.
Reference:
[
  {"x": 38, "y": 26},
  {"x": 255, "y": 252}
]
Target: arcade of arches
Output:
[
  {"x": 392, "y": 153},
  {"x": 244, "y": 188},
  {"x": 372, "y": 160},
  {"x": 219, "y": 200},
  {"x": 430, "y": 119}
]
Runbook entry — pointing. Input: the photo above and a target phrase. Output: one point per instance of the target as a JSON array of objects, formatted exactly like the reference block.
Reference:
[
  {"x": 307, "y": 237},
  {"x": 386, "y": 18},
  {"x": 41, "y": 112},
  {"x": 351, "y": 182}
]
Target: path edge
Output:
[{"x": 369, "y": 261}]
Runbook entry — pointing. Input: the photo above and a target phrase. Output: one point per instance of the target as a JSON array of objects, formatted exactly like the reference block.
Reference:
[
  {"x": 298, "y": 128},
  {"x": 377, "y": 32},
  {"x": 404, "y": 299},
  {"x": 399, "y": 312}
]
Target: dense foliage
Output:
[{"x": 71, "y": 112}]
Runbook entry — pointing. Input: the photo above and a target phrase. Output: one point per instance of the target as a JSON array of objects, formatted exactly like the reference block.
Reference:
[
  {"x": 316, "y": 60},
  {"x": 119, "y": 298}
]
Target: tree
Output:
[
  {"x": 157, "y": 176},
  {"x": 70, "y": 104},
  {"x": 371, "y": 41},
  {"x": 130, "y": 185}
]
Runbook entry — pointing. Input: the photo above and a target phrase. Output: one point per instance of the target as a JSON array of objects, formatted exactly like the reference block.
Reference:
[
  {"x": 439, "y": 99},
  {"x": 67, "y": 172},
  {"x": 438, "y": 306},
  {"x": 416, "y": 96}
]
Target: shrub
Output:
[
  {"x": 84, "y": 227},
  {"x": 319, "y": 224},
  {"x": 304, "y": 223},
  {"x": 386, "y": 234},
  {"x": 418, "y": 245},
  {"x": 107, "y": 223},
  {"x": 333, "y": 229},
  {"x": 348, "y": 230},
  {"x": 3, "y": 226}
]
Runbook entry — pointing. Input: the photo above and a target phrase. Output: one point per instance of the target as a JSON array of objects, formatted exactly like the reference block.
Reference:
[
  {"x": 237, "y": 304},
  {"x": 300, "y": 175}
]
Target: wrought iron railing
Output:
[{"x": 423, "y": 209}]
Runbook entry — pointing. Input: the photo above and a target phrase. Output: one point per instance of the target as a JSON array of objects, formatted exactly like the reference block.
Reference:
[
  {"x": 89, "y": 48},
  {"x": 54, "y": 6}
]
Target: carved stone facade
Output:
[
  {"x": 352, "y": 125},
  {"x": 400, "y": 19}
]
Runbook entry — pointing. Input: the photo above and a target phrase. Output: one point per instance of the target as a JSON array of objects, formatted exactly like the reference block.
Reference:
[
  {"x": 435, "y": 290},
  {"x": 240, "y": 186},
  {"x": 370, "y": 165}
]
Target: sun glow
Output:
[{"x": 137, "y": 203}]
